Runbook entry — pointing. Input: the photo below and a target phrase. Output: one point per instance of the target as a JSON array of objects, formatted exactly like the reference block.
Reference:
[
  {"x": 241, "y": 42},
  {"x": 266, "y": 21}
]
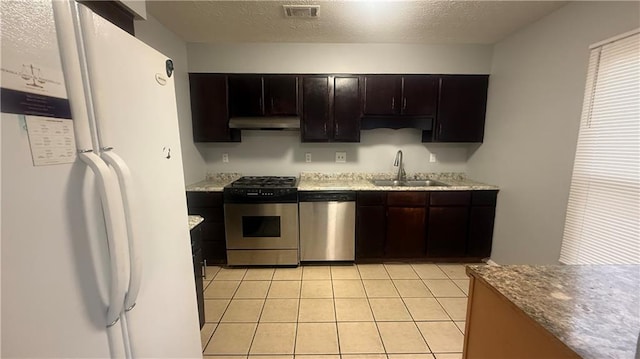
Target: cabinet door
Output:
[
  {"x": 281, "y": 95},
  {"x": 481, "y": 231},
  {"x": 198, "y": 267},
  {"x": 461, "y": 108},
  {"x": 209, "y": 113},
  {"x": 346, "y": 109},
  {"x": 245, "y": 95},
  {"x": 447, "y": 232},
  {"x": 381, "y": 95},
  {"x": 315, "y": 109},
  {"x": 210, "y": 206},
  {"x": 370, "y": 232},
  {"x": 419, "y": 95},
  {"x": 405, "y": 232}
]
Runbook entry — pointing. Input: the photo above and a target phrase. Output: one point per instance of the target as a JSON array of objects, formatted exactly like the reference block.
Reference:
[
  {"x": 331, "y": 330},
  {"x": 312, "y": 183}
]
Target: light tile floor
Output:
[{"x": 367, "y": 311}]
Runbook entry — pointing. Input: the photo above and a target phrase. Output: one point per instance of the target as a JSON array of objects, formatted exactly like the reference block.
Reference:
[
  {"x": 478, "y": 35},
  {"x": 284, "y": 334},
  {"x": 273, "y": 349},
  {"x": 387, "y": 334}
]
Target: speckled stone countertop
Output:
[
  {"x": 363, "y": 182},
  {"x": 213, "y": 182},
  {"x": 593, "y": 309},
  {"x": 194, "y": 221}
]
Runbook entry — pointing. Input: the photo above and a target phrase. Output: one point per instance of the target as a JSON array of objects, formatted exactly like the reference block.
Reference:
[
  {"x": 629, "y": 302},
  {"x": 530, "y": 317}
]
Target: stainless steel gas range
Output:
[{"x": 261, "y": 221}]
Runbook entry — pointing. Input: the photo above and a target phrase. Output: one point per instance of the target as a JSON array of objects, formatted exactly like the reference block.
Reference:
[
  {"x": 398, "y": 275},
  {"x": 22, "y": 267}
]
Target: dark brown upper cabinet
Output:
[
  {"x": 462, "y": 106},
  {"x": 330, "y": 109},
  {"x": 268, "y": 95},
  {"x": 397, "y": 95},
  {"x": 209, "y": 112}
]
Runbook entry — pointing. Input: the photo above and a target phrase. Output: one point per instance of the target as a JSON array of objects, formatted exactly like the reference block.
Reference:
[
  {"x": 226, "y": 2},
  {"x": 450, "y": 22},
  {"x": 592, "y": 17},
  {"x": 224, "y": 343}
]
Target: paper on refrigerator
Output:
[{"x": 51, "y": 140}]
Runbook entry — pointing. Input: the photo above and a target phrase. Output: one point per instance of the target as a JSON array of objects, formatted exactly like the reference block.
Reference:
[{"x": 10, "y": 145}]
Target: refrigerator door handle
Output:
[
  {"x": 107, "y": 184},
  {"x": 116, "y": 231},
  {"x": 128, "y": 200}
]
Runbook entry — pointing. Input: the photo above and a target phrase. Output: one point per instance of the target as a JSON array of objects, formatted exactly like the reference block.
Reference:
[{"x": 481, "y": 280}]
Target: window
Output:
[{"x": 603, "y": 214}]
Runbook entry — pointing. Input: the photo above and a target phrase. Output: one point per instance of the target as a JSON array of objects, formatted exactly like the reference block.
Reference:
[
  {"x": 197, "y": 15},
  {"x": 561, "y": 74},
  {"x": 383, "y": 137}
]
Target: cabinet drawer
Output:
[
  {"x": 371, "y": 198},
  {"x": 407, "y": 198},
  {"x": 204, "y": 199},
  {"x": 458, "y": 198},
  {"x": 484, "y": 198}
]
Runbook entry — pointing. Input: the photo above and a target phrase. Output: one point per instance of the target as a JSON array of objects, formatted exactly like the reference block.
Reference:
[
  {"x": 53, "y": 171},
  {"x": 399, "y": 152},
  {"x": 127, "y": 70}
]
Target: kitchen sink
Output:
[{"x": 418, "y": 183}]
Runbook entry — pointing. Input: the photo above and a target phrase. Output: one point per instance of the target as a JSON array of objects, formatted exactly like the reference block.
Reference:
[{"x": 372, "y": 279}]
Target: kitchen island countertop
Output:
[
  {"x": 194, "y": 221},
  {"x": 593, "y": 309},
  {"x": 364, "y": 182}
]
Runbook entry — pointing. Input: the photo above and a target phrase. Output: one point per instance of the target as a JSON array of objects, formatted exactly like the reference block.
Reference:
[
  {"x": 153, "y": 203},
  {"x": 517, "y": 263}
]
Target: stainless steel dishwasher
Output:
[{"x": 327, "y": 225}]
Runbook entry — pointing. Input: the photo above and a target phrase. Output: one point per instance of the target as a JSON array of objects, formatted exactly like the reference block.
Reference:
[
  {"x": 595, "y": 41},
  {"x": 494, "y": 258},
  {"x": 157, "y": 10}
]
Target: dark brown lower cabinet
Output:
[
  {"x": 406, "y": 223},
  {"x": 371, "y": 224},
  {"x": 198, "y": 269},
  {"x": 405, "y": 232},
  {"x": 370, "y": 232},
  {"x": 209, "y": 205},
  {"x": 436, "y": 225},
  {"x": 447, "y": 235},
  {"x": 482, "y": 215}
]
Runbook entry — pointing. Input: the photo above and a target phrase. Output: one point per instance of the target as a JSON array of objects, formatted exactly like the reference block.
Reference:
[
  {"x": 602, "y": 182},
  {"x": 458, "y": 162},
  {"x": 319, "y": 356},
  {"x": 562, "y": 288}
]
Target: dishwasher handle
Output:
[{"x": 327, "y": 196}]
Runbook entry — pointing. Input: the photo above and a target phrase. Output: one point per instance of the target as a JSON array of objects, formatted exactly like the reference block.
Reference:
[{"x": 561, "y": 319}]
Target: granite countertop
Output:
[
  {"x": 593, "y": 309},
  {"x": 363, "y": 182},
  {"x": 213, "y": 182},
  {"x": 194, "y": 221}
]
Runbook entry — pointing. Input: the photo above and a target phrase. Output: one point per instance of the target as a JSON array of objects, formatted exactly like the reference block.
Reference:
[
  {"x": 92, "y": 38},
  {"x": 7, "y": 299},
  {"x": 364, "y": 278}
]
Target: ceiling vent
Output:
[{"x": 301, "y": 11}]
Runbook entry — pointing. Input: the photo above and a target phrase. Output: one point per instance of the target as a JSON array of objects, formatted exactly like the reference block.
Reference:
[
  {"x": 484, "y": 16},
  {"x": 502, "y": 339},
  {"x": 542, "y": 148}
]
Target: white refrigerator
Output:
[{"x": 96, "y": 257}]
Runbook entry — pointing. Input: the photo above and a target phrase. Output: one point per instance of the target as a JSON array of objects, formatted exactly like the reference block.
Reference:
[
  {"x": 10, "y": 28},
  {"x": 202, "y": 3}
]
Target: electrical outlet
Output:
[
  {"x": 432, "y": 157},
  {"x": 341, "y": 157},
  {"x": 225, "y": 157},
  {"x": 307, "y": 157}
]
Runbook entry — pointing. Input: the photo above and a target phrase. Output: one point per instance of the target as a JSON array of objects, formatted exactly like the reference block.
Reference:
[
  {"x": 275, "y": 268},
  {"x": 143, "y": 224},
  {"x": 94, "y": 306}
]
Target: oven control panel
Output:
[{"x": 260, "y": 195}]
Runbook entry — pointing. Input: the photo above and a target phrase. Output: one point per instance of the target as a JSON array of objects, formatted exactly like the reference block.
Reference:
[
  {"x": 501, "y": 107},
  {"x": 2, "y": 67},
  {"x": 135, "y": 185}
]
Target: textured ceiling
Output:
[{"x": 434, "y": 22}]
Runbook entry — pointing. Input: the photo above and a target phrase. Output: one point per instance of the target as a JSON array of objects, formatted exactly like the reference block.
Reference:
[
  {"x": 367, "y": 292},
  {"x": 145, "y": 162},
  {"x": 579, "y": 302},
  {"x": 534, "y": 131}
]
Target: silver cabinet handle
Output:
[
  {"x": 404, "y": 103},
  {"x": 393, "y": 103},
  {"x": 204, "y": 269}
]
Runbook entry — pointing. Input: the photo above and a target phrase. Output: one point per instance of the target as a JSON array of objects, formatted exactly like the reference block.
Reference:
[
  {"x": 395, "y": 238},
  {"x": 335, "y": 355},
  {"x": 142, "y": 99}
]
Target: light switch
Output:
[
  {"x": 225, "y": 157},
  {"x": 432, "y": 157}
]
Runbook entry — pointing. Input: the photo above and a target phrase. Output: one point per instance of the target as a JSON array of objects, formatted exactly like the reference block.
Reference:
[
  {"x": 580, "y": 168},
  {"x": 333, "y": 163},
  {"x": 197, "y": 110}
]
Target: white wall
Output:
[
  {"x": 157, "y": 36},
  {"x": 339, "y": 58},
  {"x": 138, "y": 7},
  {"x": 535, "y": 99},
  {"x": 281, "y": 153}
]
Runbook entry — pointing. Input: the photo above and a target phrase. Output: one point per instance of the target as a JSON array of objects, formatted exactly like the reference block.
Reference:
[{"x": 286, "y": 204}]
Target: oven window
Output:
[{"x": 260, "y": 226}]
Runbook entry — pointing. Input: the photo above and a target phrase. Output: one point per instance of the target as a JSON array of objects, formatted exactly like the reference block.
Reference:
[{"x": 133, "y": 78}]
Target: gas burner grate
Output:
[{"x": 264, "y": 182}]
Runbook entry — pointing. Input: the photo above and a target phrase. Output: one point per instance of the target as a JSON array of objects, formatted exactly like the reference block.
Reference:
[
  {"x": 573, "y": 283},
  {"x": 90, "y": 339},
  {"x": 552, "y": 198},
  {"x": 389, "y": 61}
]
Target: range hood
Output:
[{"x": 265, "y": 123}]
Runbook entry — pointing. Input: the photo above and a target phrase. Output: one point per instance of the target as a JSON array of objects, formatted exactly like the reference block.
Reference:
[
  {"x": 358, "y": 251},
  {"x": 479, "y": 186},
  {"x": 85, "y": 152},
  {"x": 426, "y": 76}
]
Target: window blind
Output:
[{"x": 602, "y": 223}]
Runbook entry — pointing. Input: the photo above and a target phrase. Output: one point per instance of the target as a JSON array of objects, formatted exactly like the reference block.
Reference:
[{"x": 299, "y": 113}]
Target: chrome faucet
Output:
[{"x": 402, "y": 175}]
